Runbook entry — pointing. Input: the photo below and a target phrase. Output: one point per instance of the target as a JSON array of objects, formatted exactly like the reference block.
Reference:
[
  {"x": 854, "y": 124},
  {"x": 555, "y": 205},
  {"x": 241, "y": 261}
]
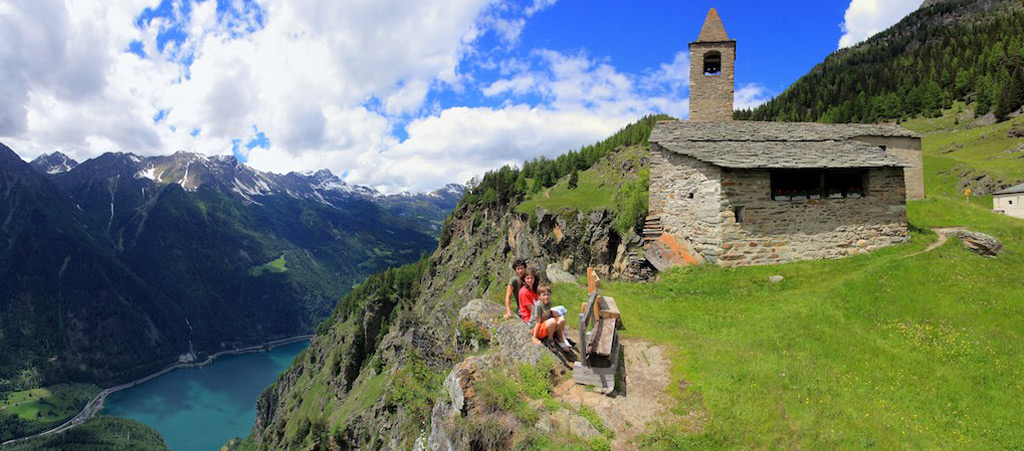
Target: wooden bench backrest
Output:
[
  {"x": 585, "y": 320},
  {"x": 591, "y": 312}
]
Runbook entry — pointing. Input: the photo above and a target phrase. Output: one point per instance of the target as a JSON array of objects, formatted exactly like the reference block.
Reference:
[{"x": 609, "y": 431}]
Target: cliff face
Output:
[{"x": 372, "y": 374}]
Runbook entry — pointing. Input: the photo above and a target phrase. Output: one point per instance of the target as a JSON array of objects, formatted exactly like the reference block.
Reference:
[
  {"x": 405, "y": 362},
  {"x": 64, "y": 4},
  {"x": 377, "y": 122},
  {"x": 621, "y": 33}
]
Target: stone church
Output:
[{"x": 738, "y": 193}]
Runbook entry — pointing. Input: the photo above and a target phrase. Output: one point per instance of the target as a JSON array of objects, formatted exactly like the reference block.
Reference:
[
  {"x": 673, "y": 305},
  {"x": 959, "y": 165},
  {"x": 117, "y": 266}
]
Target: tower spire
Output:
[{"x": 713, "y": 29}]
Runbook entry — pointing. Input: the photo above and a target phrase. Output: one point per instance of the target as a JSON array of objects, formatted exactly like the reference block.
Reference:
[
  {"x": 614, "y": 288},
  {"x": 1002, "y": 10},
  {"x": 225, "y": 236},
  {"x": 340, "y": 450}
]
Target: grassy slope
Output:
[
  {"x": 951, "y": 149},
  {"x": 595, "y": 189},
  {"x": 887, "y": 350},
  {"x": 277, "y": 265}
]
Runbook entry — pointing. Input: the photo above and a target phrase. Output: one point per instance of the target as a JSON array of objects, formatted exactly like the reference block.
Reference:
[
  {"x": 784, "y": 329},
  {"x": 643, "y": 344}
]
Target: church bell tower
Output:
[{"x": 712, "y": 72}]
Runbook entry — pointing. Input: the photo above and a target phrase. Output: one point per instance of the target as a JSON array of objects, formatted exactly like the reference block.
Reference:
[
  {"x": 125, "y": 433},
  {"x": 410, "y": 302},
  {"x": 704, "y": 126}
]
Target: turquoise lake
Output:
[{"x": 203, "y": 408}]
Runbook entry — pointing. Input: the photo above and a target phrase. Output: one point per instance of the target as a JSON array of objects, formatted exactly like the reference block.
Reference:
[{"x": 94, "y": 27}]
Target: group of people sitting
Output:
[{"x": 533, "y": 301}]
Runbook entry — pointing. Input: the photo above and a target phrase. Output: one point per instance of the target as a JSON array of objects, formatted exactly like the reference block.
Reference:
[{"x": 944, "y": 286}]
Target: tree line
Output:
[{"x": 509, "y": 184}]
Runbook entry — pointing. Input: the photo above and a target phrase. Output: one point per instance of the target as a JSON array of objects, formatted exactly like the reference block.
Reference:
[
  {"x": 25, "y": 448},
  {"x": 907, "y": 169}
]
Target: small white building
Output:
[{"x": 1009, "y": 201}]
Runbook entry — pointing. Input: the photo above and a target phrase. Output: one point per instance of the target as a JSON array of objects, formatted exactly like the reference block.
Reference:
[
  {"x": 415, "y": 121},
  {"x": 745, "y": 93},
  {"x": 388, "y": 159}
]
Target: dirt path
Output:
[
  {"x": 633, "y": 409},
  {"x": 943, "y": 233}
]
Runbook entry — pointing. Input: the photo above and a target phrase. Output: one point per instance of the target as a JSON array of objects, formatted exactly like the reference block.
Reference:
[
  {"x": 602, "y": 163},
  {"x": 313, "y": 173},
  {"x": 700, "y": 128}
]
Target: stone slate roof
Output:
[
  {"x": 713, "y": 30},
  {"x": 771, "y": 131},
  {"x": 786, "y": 155},
  {"x": 778, "y": 145},
  {"x": 1011, "y": 190}
]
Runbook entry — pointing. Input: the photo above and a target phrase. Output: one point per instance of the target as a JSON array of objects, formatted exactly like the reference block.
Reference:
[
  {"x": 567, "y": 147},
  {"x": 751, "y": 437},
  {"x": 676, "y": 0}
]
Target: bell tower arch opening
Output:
[{"x": 713, "y": 63}]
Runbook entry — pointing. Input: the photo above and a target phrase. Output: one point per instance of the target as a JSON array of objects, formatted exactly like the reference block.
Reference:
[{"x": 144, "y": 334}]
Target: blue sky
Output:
[{"x": 394, "y": 94}]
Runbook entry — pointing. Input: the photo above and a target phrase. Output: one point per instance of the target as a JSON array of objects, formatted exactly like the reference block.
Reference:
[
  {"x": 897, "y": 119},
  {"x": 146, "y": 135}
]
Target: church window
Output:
[
  {"x": 846, "y": 183},
  {"x": 796, "y": 184},
  {"x": 713, "y": 63},
  {"x": 818, "y": 184},
  {"x": 739, "y": 213}
]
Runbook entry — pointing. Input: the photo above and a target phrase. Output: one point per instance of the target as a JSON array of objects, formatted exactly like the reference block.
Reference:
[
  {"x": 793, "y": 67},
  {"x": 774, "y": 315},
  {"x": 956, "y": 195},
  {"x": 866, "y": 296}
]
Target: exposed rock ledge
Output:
[{"x": 510, "y": 345}]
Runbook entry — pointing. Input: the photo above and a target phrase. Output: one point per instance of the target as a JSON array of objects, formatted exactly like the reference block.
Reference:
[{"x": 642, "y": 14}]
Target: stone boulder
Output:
[
  {"x": 577, "y": 425},
  {"x": 979, "y": 243},
  {"x": 514, "y": 346},
  {"x": 555, "y": 274},
  {"x": 1017, "y": 131},
  {"x": 667, "y": 252},
  {"x": 481, "y": 313}
]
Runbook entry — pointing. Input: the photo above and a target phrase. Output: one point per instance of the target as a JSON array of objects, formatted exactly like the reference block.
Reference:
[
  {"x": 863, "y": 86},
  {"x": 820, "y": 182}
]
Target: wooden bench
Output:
[{"x": 599, "y": 347}]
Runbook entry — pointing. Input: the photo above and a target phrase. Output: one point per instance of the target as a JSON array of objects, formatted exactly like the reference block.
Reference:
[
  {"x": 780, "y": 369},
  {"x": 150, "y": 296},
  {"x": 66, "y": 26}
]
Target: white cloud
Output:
[
  {"x": 290, "y": 69},
  {"x": 508, "y": 19},
  {"x": 865, "y": 18},
  {"x": 463, "y": 142},
  {"x": 576, "y": 82},
  {"x": 750, "y": 95},
  {"x": 674, "y": 75},
  {"x": 327, "y": 82}
]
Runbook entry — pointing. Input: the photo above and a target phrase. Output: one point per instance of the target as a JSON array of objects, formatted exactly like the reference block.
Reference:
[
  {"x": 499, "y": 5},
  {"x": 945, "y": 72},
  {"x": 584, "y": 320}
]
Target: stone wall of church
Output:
[
  {"x": 711, "y": 96},
  {"x": 783, "y": 231},
  {"x": 908, "y": 150},
  {"x": 686, "y": 194}
]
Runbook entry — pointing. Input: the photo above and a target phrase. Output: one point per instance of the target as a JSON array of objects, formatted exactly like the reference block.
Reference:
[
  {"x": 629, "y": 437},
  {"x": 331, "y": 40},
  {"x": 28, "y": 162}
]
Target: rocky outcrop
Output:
[
  {"x": 980, "y": 243},
  {"x": 557, "y": 275},
  {"x": 572, "y": 241},
  {"x": 511, "y": 345}
]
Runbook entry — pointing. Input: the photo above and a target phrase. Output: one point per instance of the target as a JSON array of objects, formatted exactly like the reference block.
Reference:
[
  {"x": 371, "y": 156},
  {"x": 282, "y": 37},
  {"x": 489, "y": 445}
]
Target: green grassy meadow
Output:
[
  {"x": 41, "y": 408},
  {"x": 595, "y": 190},
  {"x": 276, "y": 265},
  {"x": 888, "y": 350}
]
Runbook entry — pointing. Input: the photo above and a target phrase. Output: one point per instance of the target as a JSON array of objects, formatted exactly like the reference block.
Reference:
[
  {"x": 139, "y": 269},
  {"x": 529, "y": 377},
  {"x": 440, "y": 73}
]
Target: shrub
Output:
[
  {"x": 415, "y": 387},
  {"x": 499, "y": 393},
  {"x": 469, "y": 331},
  {"x": 486, "y": 431},
  {"x": 536, "y": 380},
  {"x": 631, "y": 203}
]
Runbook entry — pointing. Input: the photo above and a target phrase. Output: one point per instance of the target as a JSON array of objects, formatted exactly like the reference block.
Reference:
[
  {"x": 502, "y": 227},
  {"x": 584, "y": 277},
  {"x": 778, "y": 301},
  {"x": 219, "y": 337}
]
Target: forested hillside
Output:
[
  {"x": 101, "y": 433},
  {"x": 971, "y": 50}
]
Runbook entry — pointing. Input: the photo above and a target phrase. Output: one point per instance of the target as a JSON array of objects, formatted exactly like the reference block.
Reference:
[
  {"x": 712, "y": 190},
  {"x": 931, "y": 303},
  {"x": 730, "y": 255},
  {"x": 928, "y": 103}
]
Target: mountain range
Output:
[{"x": 122, "y": 264}]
